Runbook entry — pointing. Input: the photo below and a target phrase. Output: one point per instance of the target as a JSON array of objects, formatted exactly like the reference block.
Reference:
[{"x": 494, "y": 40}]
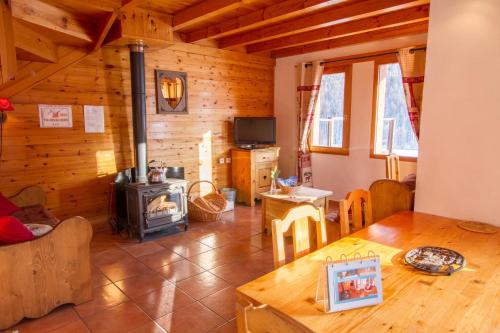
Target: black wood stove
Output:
[
  {"x": 150, "y": 207},
  {"x": 154, "y": 207}
]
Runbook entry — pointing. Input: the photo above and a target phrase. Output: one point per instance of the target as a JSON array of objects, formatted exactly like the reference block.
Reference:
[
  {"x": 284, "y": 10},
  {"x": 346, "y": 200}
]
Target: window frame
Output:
[
  {"x": 383, "y": 60},
  {"x": 346, "y": 129}
]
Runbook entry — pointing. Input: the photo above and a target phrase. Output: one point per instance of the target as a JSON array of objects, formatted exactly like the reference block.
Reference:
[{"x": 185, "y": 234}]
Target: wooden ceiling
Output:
[{"x": 40, "y": 37}]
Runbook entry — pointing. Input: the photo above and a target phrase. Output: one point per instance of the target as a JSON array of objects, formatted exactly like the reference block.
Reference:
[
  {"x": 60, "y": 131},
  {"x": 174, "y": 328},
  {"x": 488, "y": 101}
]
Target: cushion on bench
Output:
[{"x": 36, "y": 214}]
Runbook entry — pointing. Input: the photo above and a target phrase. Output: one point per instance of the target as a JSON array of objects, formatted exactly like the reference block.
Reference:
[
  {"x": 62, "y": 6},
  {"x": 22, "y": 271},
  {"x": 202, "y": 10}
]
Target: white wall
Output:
[
  {"x": 339, "y": 174},
  {"x": 459, "y": 164}
]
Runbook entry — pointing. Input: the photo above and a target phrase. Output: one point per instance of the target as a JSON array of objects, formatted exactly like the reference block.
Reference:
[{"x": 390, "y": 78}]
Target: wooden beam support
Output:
[
  {"x": 104, "y": 29},
  {"x": 283, "y": 10},
  {"x": 152, "y": 28},
  {"x": 404, "y": 16},
  {"x": 130, "y": 4},
  {"x": 52, "y": 18},
  {"x": 35, "y": 72},
  {"x": 94, "y": 5},
  {"x": 31, "y": 45},
  {"x": 7, "y": 48},
  {"x": 386, "y": 33},
  {"x": 202, "y": 11},
  {"x": 349, "y": 10}
]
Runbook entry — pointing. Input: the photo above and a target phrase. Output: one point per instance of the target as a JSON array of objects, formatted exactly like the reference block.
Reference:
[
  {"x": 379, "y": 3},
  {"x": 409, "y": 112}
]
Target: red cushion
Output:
[
  {"x": 7, "y": 207},
  {"x": 13, "y": 231}
]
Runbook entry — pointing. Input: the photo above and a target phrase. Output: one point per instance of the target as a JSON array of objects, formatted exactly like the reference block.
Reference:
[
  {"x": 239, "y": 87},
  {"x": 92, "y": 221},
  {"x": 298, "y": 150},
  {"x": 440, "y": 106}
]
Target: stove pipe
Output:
[{"x": 139, "y": 110}]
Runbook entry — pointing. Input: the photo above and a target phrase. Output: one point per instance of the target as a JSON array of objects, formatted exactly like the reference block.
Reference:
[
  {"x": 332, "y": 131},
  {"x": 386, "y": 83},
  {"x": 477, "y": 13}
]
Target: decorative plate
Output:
[
  {"x": 435, "y": 260},
  {"x": 479, "y": 227}
]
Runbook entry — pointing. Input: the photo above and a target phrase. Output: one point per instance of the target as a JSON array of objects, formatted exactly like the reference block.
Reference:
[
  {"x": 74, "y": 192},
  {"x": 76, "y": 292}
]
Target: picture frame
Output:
[
  {"x": 55, "y": 116},
  {"x": 354, "y": 283},
  {"x": 171, "y": 92}
]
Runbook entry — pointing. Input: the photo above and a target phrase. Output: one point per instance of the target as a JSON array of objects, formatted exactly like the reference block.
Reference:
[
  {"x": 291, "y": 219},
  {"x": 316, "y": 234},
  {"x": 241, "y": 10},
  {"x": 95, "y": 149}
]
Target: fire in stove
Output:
[{"x": 161, "y": 206}]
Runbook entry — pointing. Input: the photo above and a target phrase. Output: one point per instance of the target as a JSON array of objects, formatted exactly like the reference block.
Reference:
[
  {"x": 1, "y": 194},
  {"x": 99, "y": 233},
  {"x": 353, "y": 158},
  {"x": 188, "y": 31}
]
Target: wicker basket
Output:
[
  {"x": 289, "y": 189},
  {"x": 207, "y": 208}
]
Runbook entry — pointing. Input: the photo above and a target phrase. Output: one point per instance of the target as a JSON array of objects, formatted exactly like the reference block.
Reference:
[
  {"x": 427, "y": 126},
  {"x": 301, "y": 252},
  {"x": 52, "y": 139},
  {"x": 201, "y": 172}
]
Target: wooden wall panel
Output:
[{"x": 75, "y": 168}]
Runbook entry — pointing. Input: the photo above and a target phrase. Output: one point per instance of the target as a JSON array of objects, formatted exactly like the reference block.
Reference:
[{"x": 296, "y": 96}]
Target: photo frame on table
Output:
[{"x": 351, "y": 283}]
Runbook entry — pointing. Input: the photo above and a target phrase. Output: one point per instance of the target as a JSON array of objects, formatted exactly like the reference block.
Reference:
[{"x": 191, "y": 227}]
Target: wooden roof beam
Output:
[
  {"x": 35, "y": 72},
  {"x": 104, "y": 29},
  {"x": 327, "y": 17},
  {"x": 270, "y": 14},
  {"x": 8, "y": 59},
  {"x": 202, "y": 11},
  {"x": 31, "y": 45},
  {"x": 386, "y": 33},
  {"x": 404, "y": 16},
  {"x": 51, "y": 17}
]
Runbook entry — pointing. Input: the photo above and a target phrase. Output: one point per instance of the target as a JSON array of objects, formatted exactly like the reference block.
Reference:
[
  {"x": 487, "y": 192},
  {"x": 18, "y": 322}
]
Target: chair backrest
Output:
[
  {"x": 359, "y": 202},
  {"x": 298, "y": 218},
  {"x": 389, "y": 197},
  {"x": 392, "y": 167}
]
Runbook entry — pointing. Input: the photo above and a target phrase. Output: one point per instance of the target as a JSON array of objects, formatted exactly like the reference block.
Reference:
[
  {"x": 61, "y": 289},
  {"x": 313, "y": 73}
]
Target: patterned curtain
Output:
[
  {"x": 412, "y": 64},
  {"x": 308, "y": 82}
]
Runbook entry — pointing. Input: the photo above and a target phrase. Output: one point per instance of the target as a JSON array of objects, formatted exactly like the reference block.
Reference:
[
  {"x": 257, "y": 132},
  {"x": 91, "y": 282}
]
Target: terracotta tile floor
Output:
[{"x": 182, "y": 283}]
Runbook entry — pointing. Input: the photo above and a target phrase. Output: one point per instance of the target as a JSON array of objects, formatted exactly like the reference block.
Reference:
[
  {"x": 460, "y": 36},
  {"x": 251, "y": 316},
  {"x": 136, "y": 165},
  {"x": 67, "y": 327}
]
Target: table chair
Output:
[
  {"x": 392, "y": 167},
  {"x": 359, "y": 202},
  {"x": 389, "y": 197},
  {"x": 298, "y": 218}
]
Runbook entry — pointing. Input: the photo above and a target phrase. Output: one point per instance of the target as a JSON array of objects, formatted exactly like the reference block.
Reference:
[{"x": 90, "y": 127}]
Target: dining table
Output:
[{"x": 285, "y": 300}]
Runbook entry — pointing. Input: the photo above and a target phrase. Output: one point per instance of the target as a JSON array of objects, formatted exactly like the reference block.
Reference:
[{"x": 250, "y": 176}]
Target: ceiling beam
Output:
[
  {"x": 386, "y": 33},
  {"x": 31, "y": 45},
  {"x": 404, "y": 16},
  {"x": 35, "y": 72},
  {"x": 130, "y": 4},
  {"x": 323, "y": 18},
  {"x": 52, "y": 18},
  {"x": 270, "y": 14},
  {"x": 8, "y": 59},
  {"x": 104, "y": 29},
  {"x": 94, "y": 5},
  {"x": 202, "y": 11}
]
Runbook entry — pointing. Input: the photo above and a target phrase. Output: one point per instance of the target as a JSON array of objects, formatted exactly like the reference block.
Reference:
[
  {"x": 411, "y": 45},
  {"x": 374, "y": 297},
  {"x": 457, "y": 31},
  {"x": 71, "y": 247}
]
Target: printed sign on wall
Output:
[
  {"x": 94, "y": 118},
  {"x": 55, "y": 116}
]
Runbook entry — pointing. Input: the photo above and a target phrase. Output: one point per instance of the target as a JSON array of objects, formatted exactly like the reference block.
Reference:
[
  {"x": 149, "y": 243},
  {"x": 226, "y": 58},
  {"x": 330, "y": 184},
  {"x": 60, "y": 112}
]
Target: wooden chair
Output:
[
  {"x": 392, "y": 170},
  {"x": 359, "y": 202},
  {"x": 298, "y": 217},
  {"x": 389, "y": 197}
]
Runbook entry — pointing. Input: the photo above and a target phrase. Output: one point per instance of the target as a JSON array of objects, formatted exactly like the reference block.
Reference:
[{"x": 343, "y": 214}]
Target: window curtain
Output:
[
  {"x": 308, "y": 83},
  {"x": 412, "y": 64}
]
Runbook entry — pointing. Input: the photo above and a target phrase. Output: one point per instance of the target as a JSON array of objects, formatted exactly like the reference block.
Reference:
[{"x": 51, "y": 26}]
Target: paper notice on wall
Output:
[
  {"x": 94, "y": 118},
  {"x": 55, "y": 116}
]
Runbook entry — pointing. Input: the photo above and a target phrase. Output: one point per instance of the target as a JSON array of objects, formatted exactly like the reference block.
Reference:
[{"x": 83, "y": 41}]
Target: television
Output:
[{"x": 252, "y": 131}]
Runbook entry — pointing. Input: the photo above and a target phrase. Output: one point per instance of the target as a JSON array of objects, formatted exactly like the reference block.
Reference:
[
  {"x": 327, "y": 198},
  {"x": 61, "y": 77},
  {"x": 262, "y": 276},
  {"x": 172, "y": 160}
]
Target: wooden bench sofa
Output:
[{"x": 42, "y": 274}]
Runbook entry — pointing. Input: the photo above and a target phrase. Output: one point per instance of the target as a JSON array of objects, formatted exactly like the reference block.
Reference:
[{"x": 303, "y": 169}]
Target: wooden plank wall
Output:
[{"x": 75, "y": 168}]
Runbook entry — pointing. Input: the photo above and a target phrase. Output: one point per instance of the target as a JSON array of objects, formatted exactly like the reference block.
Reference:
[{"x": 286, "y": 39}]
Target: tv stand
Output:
[{"x": 252, "y": 172}]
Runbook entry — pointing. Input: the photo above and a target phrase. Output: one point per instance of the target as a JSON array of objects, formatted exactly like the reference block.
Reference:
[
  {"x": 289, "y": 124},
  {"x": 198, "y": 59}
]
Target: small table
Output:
[{"x": 274, "y": 206}]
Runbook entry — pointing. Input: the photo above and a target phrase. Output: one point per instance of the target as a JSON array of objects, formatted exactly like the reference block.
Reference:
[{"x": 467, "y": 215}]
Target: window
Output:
[
  {"x": 330, "y": 132},
  {"x": 391, "y": 128}
]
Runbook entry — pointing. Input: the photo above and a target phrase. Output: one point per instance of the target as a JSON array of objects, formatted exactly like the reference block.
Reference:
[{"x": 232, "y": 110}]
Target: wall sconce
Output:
[{"x": 5, "y": 105}]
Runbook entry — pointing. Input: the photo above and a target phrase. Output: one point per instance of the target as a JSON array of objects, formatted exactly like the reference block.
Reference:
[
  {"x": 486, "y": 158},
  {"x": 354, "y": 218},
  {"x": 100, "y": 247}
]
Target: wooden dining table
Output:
[{"x": 467, "y": 301}]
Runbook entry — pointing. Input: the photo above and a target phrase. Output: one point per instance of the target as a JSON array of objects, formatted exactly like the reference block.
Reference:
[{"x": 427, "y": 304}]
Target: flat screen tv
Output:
[{"x": 252, "y": 131}]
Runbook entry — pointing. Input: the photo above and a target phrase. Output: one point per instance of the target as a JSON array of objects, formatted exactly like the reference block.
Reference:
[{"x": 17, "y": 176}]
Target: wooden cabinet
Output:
[{"x": 252, "y": 172}]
